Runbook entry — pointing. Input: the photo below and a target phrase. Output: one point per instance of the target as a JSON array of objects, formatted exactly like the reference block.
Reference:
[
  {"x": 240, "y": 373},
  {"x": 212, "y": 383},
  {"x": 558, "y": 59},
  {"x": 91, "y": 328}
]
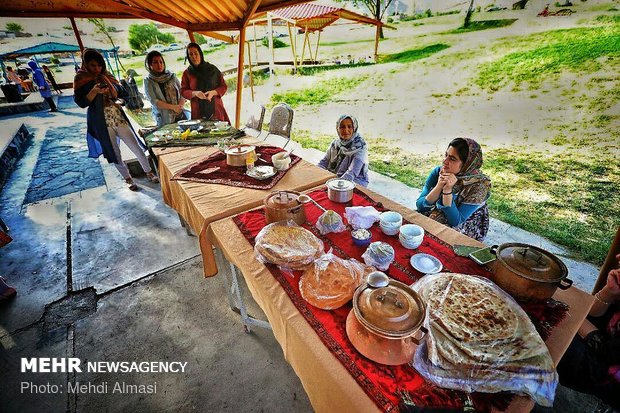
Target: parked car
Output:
[
  {"x": 495, "y": 8},
  {"x": 173, "y": 46},
  {"x": 159, "y": 47}
]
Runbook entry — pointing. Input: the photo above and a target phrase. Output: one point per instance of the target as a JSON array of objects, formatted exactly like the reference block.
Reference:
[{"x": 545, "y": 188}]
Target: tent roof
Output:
[
  {"x": 196, "y": 16},
  {"x": 313, "y": 17},
  {"x": 45, "y": 48}
]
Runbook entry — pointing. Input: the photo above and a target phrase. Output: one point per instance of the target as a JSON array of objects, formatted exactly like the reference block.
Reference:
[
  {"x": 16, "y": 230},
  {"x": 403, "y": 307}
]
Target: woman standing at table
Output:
[
  {"x": 347, "y": 155},
  {"x": 591, "y": 363},
  {"x": 456, "y": 193},
  {"x": 204, "y": 85},
  {"x": 107, "y": 124},
  {"x": 163, "y": 90}
]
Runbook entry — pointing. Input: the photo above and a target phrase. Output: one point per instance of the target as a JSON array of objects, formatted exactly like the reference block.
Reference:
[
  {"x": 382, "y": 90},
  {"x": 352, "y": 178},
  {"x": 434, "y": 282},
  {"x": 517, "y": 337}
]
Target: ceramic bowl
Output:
[
  {"x": 411, "y": 236},
  {"x": 391, "y": 219},
  {"x": 361, "y": 237},
  {"x": 389, "y": 230},
  {"x": 221, "y": 124},
  {"x": 192, "y": 124}
]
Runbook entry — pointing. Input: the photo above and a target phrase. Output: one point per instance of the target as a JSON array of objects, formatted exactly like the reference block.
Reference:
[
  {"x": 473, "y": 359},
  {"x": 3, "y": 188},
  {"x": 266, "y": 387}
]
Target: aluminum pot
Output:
[
  {"x": 282, "y": 206},
  {"x": 340, "y": 190},
  {"x": 385, "y": 321},
  {"x": 528, "y": 273},
  {"x": 236, "y": 155}
]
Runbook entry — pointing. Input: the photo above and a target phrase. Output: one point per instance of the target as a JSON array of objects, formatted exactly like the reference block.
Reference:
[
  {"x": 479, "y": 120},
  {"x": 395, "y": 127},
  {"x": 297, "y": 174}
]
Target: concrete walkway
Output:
[{"x": 105, "y": 274}]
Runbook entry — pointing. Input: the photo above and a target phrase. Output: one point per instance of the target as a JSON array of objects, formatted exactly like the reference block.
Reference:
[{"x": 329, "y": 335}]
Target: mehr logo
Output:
[{"x": 51, "y": 365}]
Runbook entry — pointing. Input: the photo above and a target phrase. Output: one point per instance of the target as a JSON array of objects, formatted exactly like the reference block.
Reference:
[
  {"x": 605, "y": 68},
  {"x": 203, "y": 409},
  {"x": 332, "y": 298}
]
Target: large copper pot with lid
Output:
[
  {"x": 527, "y": 272},
  {"x": 237, "y": 154},
  {"x": 385, "y": 321},
  {"x": 282, "y": 206}
]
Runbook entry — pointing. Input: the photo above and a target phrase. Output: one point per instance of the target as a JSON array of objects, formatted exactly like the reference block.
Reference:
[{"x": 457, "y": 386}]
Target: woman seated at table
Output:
[
  {"x": 347, "y": 155},
  {"x": 592, "y": 362},
  {"x": 456, "y": 193},
  {"x": 163, "y": 90},
  {"x": 97, "y": 90},
  {"x": 204, "y": 85}
]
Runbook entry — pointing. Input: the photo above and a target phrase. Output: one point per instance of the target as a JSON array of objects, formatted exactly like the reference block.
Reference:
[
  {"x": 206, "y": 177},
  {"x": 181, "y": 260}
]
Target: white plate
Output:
[
  {"x": 261, "y": 172},
  {"x": 221, "y": 129},
  {"x": 426, "y": 264},
  {"x": 155, "y": 139}
]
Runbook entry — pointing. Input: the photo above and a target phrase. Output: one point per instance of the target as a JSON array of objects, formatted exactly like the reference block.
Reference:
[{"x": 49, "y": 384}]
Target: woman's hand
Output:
[
  {"x": 448, "y": 180},
  {"x": 98, "y": 90},
  {"x": 177, "y": 108},
  {"x": 613, "y": 280},
  {"x": 199, "y": 94},
  {"x": 211, "y": 94}
]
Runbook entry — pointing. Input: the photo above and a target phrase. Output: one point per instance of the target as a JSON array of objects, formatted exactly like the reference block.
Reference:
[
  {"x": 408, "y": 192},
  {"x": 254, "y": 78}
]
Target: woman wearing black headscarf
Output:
[{"x": 204, "y": 85}]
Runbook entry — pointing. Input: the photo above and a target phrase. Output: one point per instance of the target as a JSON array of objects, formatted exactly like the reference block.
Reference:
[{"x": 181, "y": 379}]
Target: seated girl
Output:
[
  {"x": 347, "y": 156},
  {"x": 455, "y": 193}
]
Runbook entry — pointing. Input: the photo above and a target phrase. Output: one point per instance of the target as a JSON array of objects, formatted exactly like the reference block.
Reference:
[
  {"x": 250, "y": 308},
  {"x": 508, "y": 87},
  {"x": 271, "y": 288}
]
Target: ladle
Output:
[
  {"x": 304, "y": 199},
  {"x": 377, "y": 279}
]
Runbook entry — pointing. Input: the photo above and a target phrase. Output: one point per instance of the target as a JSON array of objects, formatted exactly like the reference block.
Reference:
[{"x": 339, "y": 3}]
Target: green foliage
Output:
[
  {"x": 277, "y": 43},
  {"x": 320, "y": 93},
  {"x": 54, "y": 60},
  {"x": 428, "y": 13},
  {"x": 607, "y": 19},
  {"x": 483, "y": 25},
  {"x": 143, "y": 36},
  {"x": 550, "y": 53},
  {"x": 312, "y": 70},
  {"x": 413, "y": 54},
  {"x": 14, "y": 27},
  {"x": 200, "y": 39},
  {"x": 67, "y": 27}
]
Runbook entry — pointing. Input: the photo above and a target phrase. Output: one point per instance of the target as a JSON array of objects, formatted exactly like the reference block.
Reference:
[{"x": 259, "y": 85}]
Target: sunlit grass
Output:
[{"x": 322, "y": 92}]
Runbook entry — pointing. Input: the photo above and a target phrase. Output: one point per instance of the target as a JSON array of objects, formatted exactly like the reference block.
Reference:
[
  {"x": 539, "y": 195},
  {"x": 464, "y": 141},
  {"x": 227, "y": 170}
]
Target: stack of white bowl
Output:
[
  {"x": 390, "y": 222},
  {"x": 411, "y": 236}
]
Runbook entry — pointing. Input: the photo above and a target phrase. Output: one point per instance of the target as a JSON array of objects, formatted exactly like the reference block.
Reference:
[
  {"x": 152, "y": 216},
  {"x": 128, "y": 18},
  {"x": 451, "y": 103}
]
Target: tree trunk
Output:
[
  {"x": 378, "y": 17},
  {"x": 470, "y": 11}
]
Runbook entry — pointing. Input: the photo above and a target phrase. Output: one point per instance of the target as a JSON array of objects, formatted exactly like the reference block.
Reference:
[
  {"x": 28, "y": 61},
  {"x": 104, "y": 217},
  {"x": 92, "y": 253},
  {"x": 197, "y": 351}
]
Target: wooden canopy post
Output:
[
  {"x": 191, "y": 36},
  {"x": 316, "y": 49},
  {"x": 303, "y": 48},
  {"x": 240, "y": 76},
  {"x": 76, "y": 32},
  {"x": 293, "y": 45},
  {"x": 250, "y": 68},
  {"x": 255, "y": 45},
  {"x": 377, "y": 42},
  {"x": 270, "y": 39}
]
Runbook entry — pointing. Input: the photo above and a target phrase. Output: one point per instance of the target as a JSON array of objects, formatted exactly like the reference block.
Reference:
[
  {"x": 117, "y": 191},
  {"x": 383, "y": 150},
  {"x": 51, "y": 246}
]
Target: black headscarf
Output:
[{"x": 208, "y": 77}]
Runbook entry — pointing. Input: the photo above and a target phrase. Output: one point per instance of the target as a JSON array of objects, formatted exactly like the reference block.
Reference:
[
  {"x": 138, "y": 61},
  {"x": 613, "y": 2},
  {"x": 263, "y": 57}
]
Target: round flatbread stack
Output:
[
  {"x": 480, "y": 339},
  {"x": 331, "y": 281},
  {"x": 287, "y": 245}
]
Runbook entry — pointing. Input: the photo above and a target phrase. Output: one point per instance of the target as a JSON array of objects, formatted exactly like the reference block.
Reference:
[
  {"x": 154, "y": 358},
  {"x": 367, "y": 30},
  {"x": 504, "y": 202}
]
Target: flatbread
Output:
[
  {"x": 289, "y": 246},
  {"x": 470, "y": 309},
  {"x": 331, "y": 281}
]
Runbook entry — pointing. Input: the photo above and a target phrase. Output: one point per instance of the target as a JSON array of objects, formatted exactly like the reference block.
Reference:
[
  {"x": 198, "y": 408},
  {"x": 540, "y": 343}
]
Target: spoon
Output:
[
  {"x": 377, "y": 279},
  {"x": 288, "y": 155},
  {"x": 304, "y": 199}
]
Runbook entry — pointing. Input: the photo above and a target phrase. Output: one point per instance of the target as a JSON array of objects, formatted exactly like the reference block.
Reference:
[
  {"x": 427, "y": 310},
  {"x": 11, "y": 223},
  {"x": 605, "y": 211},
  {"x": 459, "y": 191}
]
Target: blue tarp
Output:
[{"x": 47, "y": 48}]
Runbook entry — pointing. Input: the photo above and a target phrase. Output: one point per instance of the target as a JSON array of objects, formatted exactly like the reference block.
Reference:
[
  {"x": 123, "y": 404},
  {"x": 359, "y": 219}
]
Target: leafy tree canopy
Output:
[
  {"x": 143, "y": 36},
  {"x": 14, "y": 27}
]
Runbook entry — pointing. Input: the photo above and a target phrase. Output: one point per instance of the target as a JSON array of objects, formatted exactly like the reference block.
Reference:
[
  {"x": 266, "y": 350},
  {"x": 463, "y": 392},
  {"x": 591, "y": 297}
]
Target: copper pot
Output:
[
  {"x": 236, "y": 155},
  {"x": 282, "y": 206},
  {"x": 384, "y": 322},
  {"x": 528, "y": 273}
]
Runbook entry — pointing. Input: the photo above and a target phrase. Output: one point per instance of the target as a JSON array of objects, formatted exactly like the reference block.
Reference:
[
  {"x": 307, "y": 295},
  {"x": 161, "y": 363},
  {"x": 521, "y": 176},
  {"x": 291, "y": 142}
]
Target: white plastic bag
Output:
[{"x": 361, "y": 216}]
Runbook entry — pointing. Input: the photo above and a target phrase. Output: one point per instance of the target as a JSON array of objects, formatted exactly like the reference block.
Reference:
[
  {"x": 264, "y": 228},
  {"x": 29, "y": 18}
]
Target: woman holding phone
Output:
[{"x": 107, "y": 124}]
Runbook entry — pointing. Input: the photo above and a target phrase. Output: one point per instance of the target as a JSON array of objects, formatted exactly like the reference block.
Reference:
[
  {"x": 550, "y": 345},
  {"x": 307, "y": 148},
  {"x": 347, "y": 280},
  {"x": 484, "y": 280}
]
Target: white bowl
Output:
[
  {"x": 280, "y": 162},
  {"x": 221, "y": 124},
  {"x": 389, "y": 230},
  {"x": 391, "y": 219},
  {"x": 411, "y": 236}
]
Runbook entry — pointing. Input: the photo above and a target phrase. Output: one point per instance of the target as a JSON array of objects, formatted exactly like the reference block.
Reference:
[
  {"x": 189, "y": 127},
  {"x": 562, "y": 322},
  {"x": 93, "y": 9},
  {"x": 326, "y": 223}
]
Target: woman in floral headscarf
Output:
[
  {"x": 347, "y": 155},
  {"x": 456, "y": 193},
  {"x": 204, "y": 85},
  {"x": 163, "y": 90}
]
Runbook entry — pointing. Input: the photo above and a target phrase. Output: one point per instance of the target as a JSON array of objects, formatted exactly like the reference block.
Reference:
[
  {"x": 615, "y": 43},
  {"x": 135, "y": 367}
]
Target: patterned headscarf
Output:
[
  {"x": 341, "y": 148},
  {"x": 83, "y": 76},
  {"x": 170, "y": 91}
]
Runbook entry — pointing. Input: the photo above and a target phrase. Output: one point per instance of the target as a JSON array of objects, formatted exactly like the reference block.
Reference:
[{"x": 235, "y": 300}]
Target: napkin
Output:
[{"x": 361, "y": 216}]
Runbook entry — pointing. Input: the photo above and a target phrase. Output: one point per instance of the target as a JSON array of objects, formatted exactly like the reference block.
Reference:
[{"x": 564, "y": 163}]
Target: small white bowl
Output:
[
  {"x": 221, "y": 125},
  {"x": 391, "y": 219},
  {"x": 280, "y": 162},
  {"x": 411, "y": 236},
  {"x": 389, "y": 230}
]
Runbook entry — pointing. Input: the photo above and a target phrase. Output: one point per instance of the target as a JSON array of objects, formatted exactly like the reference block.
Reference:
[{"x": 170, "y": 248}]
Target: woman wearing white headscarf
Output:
[{"x": 347, "y": 155}]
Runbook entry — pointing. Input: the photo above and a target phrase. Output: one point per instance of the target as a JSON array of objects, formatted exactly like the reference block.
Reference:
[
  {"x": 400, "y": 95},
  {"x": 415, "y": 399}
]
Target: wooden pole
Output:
[
  {"x": 270, "y": 39},
  {"x": 240, "y": 77},
  {"x": 191, "y": 36},
  {"x": 290, "y": 37},
  {"x": 316, "y": 49},
  {"x": 251, "y": 74},
  {"x": 377, "y": 42},
  {"x": 303, "y": 49},
  {"x": 77, "y": 33},
  {"x": 255, "y": 41}
]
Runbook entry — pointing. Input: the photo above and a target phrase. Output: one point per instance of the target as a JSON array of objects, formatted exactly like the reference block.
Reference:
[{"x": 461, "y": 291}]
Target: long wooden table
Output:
[
  {"x": 328, "y": 384},
  {"x": 200, "y": 204}
]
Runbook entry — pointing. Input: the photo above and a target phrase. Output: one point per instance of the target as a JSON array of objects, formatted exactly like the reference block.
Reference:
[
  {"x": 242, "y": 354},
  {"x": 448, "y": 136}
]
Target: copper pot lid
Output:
[
  {"x": 239, "y": 149},
  {"x": 532, "y": 262},
  {"x": 282, "y": 200},
  {"x": 394, "y": 311},
  {"x": 339, "y": 184}
]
